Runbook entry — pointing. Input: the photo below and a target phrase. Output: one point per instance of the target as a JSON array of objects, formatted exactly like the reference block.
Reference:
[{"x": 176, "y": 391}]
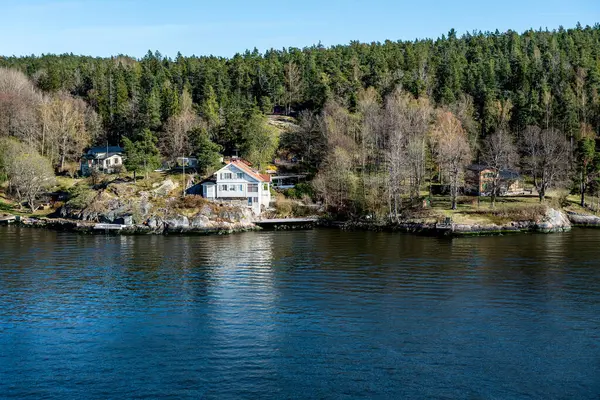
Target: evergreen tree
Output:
[{"x": 142, "y": 153}]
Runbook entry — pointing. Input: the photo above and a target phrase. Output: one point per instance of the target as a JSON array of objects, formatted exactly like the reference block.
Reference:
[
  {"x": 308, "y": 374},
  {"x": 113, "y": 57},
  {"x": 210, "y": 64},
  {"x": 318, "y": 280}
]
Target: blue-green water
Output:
[{"x": 306, "y": 314}]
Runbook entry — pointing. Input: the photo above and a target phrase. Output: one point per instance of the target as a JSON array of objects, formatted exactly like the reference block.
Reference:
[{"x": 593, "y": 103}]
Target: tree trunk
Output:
[
  {"x": 31, "y": 202},
  {"x": 582, "y": 189},
  {"x": 453, "y": 190}
]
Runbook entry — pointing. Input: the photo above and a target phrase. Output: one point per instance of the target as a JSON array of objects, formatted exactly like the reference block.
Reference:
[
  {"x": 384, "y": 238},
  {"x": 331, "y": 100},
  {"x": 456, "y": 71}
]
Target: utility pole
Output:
[{"x": 183, "y": 164}]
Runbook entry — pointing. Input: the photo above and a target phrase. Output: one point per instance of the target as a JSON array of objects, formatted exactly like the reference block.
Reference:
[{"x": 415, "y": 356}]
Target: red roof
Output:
[{"x": 244, "y": 167}]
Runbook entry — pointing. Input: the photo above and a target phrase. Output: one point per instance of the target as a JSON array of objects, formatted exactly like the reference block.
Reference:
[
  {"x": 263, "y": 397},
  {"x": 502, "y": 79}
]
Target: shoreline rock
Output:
[
  {"x": 200, "y": 224},
  {"x": 583, "y": 220},
  {"x": 553, "y": 221}
]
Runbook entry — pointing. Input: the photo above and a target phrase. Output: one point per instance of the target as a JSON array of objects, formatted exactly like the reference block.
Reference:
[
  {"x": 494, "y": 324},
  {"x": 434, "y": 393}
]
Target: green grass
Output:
[{"x": 471, "y": 210}]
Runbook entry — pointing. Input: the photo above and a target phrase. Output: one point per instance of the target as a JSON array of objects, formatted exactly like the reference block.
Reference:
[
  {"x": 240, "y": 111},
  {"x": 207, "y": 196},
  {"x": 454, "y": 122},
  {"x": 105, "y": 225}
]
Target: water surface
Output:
[{"x": 306, "y": 314}]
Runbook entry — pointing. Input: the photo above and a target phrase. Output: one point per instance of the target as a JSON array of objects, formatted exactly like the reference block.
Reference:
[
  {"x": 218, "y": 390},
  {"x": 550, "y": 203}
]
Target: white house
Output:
[
  {"x": 188, "y": 162},
  {"x": 107, "y": 159},
  {"x": 238, "y": 181}
]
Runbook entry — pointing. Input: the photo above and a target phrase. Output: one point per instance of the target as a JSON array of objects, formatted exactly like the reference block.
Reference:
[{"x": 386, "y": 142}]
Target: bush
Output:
[
  {"x": 300, "y": 191},
  {"x": 284, "y": 207},
  {"x": 71, "y": 169},
  {"x": 80, "y": 196},
  {"x": 190, "y": 202}
]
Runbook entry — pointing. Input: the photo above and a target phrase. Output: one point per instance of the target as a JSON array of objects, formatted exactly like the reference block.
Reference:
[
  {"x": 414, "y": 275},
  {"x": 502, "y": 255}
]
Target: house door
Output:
[{"x": 250, "y": 201}]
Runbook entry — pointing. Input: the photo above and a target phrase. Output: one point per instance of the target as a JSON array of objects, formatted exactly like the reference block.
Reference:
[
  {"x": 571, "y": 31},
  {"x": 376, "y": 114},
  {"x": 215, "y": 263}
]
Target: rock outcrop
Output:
[
  {"x": 154, "y": 211},
  {"x": 552, "y": 221},
  {"x": 584, "y": 220}
]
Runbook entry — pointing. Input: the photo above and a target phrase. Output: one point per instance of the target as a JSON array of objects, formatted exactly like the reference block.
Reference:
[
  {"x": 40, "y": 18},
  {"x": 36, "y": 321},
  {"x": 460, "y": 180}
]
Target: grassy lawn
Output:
[
  {"x": 9, "y": 207},
  {"x": 473, "y": 210}
]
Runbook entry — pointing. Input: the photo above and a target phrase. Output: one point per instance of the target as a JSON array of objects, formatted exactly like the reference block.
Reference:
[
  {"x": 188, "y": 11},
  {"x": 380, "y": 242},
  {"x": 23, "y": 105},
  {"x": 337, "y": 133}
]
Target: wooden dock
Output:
[
  {"x": 7, "y": 219},
  {"x": 287, "y": 223},
  {"x": 109, "y": 227}
]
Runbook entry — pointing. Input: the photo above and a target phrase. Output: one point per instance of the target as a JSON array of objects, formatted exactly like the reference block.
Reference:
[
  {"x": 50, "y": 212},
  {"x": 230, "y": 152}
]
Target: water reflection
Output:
[{"x": 298, "y": 314}]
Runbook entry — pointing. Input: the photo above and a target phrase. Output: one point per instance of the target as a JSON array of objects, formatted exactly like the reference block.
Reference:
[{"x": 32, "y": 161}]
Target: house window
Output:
[
  {"x": 253, "y": 187},
  {"x": 241, "y": 188},
  {"x": 256, "y": 199},
  {"x": 226, "y": 175},
  {"x": 232, "y": 188},
  {"x": 224, "y": 188},
  {"x": 240, "y": 175}
]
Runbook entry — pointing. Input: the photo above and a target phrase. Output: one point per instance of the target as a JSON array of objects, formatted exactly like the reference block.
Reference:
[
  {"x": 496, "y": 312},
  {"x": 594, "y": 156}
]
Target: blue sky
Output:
[{"x": 225, "y": 27}]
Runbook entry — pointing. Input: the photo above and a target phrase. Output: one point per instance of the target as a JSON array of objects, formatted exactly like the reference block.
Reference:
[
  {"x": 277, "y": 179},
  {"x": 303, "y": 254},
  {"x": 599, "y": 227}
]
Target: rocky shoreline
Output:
[
  {"x": 553, "y": 221},
  {"x": 156, "y": 226}
]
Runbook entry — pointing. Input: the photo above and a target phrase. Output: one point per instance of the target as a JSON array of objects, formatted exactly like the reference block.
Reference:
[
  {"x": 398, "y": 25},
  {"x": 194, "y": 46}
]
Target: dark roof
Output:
[
  {"x": 504, "y": 174},
  {"x": 509, "y": 174},
  {"x": 102, "y": 149},
  {"x": 212, "y": 179},
  {"x": 477, "y": 167}
]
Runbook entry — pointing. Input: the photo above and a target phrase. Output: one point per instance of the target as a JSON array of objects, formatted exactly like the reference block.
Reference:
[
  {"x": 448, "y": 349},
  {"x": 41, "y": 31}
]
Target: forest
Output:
[{"x": 377, "y": 123}]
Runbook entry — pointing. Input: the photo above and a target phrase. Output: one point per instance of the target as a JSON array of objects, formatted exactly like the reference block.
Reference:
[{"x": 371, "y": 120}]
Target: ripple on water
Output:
[{"x": 299, "y": 314}]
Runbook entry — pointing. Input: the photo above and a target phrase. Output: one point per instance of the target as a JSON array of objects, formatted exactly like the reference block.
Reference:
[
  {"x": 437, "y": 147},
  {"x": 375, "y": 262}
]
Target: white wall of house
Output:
[
  {"x": 234, "y": 183},
  {"x": 209, "y": 190},
  {"x": 112, "y": 162},
  {"x": 107, "y": 165}
]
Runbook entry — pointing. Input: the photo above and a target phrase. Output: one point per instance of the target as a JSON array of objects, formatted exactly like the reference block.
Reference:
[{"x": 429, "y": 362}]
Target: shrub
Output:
[
  {"x": 80, "y": 196},
  {"x": 284, "y": 207},
  {"x": 300, "y": 191},
  {"x": 190, "y": 202}
]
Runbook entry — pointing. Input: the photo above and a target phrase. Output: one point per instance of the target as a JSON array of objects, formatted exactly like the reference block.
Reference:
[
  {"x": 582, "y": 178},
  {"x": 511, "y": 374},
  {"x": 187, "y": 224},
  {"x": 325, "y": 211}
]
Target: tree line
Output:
[
  {"x": 378, "y": 159},
  {"x": 529, "y": 87}
]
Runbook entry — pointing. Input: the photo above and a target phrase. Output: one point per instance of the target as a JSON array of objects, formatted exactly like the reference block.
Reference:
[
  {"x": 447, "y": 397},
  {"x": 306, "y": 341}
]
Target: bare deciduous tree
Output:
[
  {"x": 452, "y": 150},
  {"x": 546, "y": 157},
  {"x": 408, "y": 121},
  {"x": 18, "y": 103},
  {"x": 499, "y": 153},
  {"x": 336, "y": 183},
  {"x": 175, "y": 141},
  {"x": 29, "y": 174},
  {"x": 64, "y": 130}
]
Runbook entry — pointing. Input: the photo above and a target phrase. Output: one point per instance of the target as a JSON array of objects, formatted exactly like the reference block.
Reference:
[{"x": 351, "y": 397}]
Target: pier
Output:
[
  {"x": 109, "y": 227},
  {"x": 7, "y": 219},
  {"x": 287, "y": 223}
]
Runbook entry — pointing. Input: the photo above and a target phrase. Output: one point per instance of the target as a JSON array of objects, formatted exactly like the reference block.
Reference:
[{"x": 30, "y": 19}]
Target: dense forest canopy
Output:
[
  {"x": 478, "y": 84},
  {"x": 550, "y": 77}
]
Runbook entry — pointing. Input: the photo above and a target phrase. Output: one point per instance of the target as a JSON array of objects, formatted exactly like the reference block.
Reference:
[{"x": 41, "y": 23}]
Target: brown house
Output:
[{"x": 479, "y": 181}]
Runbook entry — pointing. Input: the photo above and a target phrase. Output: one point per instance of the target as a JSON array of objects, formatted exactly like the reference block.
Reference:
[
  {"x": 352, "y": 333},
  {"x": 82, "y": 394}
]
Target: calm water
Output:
[{"x": 307, "y": 314}]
